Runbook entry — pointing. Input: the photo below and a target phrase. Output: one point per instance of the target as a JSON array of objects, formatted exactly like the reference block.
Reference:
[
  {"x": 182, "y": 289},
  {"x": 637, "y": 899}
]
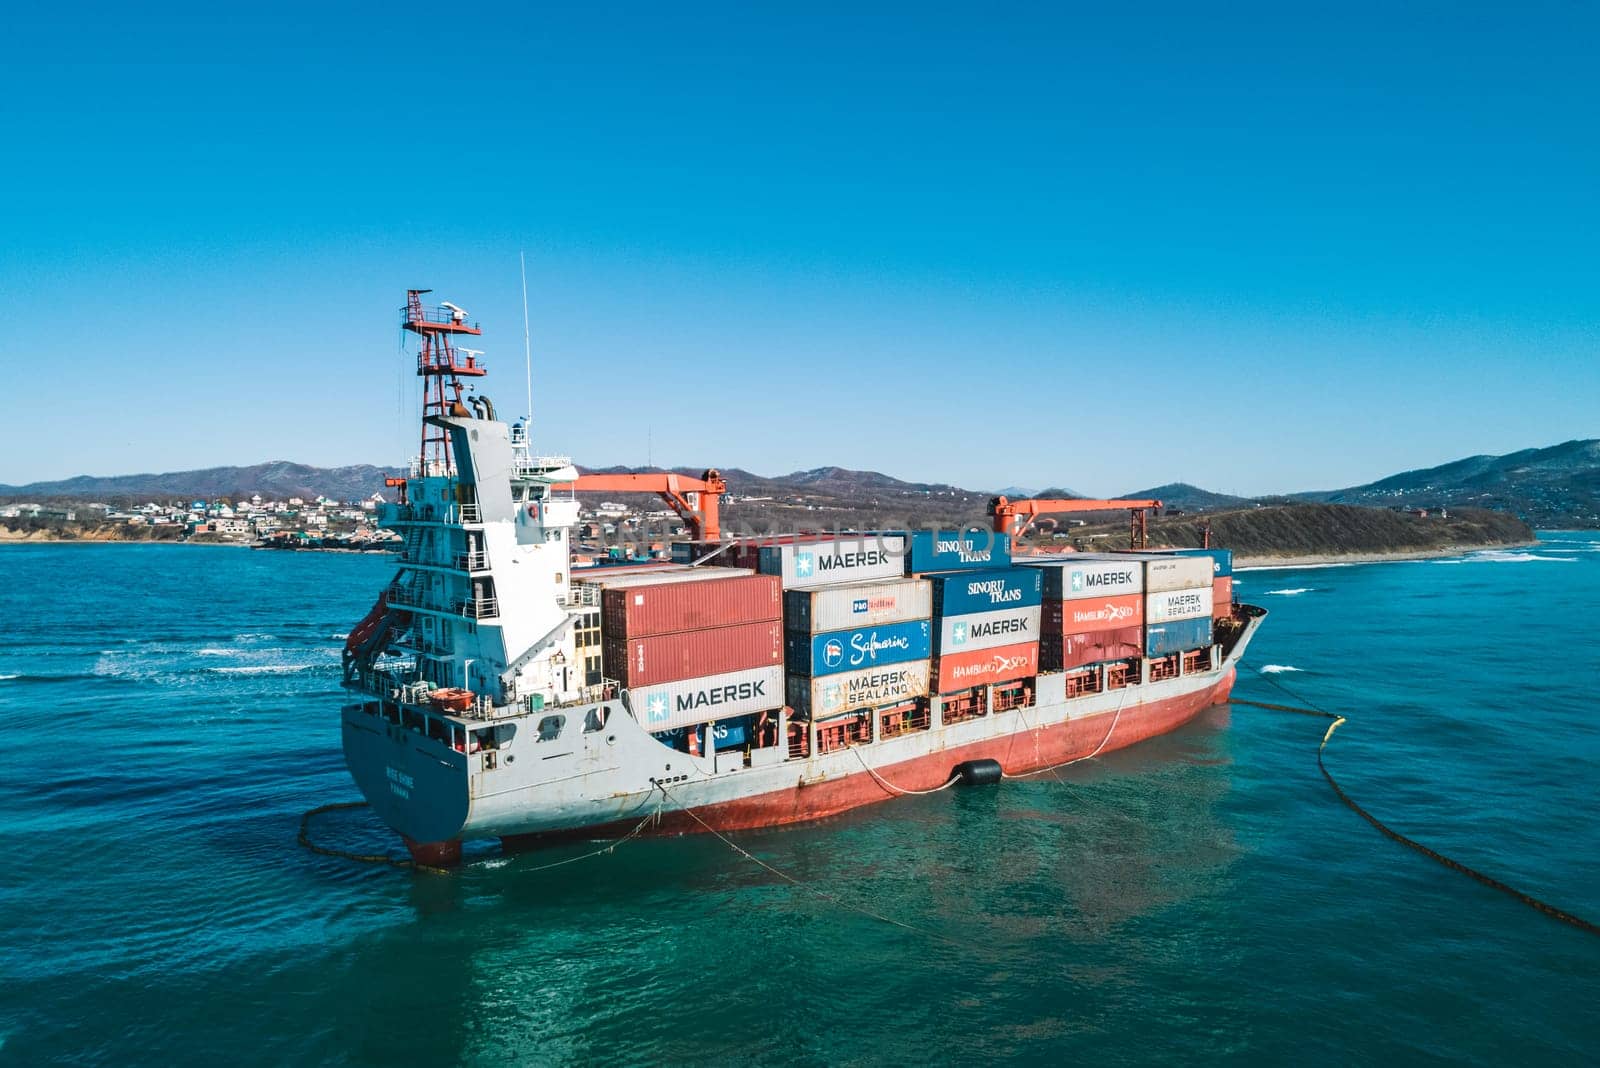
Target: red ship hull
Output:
[{"x": 1018, "y": 753}]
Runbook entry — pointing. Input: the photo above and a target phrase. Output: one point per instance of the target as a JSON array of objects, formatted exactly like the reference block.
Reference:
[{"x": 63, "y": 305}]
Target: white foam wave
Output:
[
  {"x": 1277, "y": 669},
  {"x": 338, "y": 637},
  {"x": 1291, "y": 592},
  {"x": 1497, "y": 556},
  {"x": 263, "y": 669},
  {"x": 8, "y": 678},
  {"x": 1293, "y": 567}
]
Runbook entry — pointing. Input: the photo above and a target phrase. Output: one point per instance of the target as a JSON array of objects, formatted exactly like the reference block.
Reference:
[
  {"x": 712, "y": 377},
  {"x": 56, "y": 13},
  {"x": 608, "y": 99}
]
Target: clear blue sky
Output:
[{"x": 1259, "y": 249}]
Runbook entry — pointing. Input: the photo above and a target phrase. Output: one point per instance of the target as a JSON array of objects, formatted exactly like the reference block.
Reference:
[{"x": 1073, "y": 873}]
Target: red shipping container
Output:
[
  {"x": 1058, "y": 652},
  {"x": 1222, "y": 597},
  {"x": 1089, "y": 616},
  {"x": 668, "y": 607},
  {"x": 982, "y": 667},
  {"x": 693, "y": 654}
]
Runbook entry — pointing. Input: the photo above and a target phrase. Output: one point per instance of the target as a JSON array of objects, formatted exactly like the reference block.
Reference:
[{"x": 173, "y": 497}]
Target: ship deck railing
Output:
[
  {"x": 582, "y": 596},
  {"x": 472, "y": 561},
  {"x": 431, "y": 468},
  {"x": 479, "y": 608}
]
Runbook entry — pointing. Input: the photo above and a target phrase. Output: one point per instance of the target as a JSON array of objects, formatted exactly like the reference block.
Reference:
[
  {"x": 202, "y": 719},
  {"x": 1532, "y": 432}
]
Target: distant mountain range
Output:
[
  {"x": 277, "y": 479},
  {"x": 1549, "y": 487},
  {"x": 1556, "y": 486}
]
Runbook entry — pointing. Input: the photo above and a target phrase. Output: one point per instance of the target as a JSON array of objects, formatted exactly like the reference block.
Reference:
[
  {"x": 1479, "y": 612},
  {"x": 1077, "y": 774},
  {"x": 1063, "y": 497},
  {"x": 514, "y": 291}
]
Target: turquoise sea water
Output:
[{"x": 168, "y": 713}]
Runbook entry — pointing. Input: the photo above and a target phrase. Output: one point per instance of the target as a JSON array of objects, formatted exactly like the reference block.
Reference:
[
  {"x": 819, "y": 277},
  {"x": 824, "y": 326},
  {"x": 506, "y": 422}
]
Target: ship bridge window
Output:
[
  {"x": 550, "y": 728},
  {"x": 596, "y": 719}
]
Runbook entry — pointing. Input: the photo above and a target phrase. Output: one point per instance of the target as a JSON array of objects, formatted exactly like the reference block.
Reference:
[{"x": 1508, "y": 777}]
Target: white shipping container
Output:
[
  {"x": 683, "y": 704},
  {"x": 1173, "y": 606},
  {"x": 872, "y": 687},
  {"x": 1163, "y": 573},
  {"x": 656, "y": 577},
  {"x": 1099, "y": 577},
  {"x": 851, "y": 558},
  {"x": 858, "y": 604},
  {"x": 988, "y": 630}
]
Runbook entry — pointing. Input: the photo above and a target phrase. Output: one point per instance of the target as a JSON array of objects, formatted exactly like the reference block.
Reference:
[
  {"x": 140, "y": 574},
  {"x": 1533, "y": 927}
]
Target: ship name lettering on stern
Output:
[{"x": 400, "y": 783}]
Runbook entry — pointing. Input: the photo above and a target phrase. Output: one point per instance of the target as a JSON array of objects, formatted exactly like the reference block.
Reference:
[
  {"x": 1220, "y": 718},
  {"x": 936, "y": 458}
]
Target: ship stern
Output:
[{"x": 417, "y": 785}]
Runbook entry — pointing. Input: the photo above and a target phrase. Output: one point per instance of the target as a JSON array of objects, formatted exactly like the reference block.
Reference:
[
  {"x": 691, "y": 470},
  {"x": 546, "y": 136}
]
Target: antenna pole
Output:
[{"x": 527, "y": 342}]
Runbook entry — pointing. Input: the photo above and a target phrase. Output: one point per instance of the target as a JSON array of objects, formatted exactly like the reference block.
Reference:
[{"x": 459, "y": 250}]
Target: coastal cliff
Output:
[{"x": 1319, "y": 532}]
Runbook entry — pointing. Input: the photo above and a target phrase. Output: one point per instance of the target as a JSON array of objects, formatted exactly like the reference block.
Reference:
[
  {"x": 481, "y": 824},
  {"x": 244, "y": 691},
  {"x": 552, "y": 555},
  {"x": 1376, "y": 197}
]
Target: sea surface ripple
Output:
[{"x": 170, "y": 711}]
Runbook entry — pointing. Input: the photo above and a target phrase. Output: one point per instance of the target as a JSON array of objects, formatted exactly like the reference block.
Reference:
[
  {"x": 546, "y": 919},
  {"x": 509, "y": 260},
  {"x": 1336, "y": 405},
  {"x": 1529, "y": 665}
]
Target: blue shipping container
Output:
[
  {"x": 967, "y": 592},
  {"x": 950, "y": 550},
  {"x": 1163, "y": 638},
  {"x": 1221, "y": 559},
  {"x": 852, "y": 650},
  {"x": 730, "y": 734}
]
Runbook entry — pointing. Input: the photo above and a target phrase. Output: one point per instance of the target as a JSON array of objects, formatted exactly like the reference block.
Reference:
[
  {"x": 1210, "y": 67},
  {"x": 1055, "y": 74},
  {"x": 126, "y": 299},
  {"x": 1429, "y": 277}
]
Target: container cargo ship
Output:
[{"x": 500, "y": 691}]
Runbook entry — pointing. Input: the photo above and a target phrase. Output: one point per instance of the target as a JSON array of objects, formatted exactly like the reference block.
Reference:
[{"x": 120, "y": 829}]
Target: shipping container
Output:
[
  {"x": 857, "y": 604},
  {"x": 852, "y": 558},
  {"x": 966, "y": 592},
  {"x": 606, "y": 577},
  {"x": 728, "y": 734},
  {"x": 700, "y": 700},
  {"x": 684, "y": 602},
  {"x": 1068, "y": 580},
  {"x": 1181, "y": 636},
  {"x": 1165, "y": 573},
  {"x": 983, "y": 667},
  {"x": 1222, "y": 597},
  {"x": 854, "y": 690},
  {"x": 1084, "y": 616},
  {"x": 728, "y": 553},
  {"x": 1221, "y": 559},
  {"x": 687, "y": 552},
  {"x": 1062, "y": 652},
  {"x": 854, "y": 650},
  {"x": 692, "y": 654},
  {"x": 950, "y": 550},
  {"x": 1174, "y": 605},
  {"x": 986, "y": 630},
  {"x": 632, "y": 567}
]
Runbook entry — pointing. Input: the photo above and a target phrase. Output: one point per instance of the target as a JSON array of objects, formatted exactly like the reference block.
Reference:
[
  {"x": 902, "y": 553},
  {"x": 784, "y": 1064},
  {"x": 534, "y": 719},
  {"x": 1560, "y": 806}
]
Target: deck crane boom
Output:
[
  {"x": 696, "y": 500},
  {"x": 1014, "y": 517}
]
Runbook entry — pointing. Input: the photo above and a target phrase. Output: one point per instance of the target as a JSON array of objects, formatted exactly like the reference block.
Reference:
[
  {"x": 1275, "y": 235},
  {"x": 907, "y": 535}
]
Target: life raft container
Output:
[{"x": 449, "y": 700}]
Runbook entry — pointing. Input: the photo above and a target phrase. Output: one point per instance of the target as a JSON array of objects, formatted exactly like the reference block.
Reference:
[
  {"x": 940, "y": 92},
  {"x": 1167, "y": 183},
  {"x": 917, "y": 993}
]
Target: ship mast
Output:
[{"x": 441, "y": 366}]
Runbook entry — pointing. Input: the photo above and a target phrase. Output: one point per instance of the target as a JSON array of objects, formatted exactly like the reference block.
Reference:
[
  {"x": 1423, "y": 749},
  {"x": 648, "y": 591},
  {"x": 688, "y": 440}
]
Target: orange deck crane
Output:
[
  {"x": 1015, "y": 517},
  {"x": 696, "y": 500}
]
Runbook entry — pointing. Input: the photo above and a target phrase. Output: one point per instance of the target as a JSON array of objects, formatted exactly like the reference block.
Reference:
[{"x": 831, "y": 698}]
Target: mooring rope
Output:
[
  {"x": 398, "y": 862},
  {"x": 834, "y": 899},
  {"x": 1389, "y": 832},
  {"x": 955, "y": 777},
  {"x": 364, "y": 858},
  {"x": 1089, "y": 756}
]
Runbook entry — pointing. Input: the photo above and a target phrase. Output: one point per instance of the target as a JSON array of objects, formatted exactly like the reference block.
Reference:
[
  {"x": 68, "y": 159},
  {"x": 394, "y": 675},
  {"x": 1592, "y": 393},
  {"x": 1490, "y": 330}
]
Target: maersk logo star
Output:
[
  {"x": 1077, "y": 581},
  {"x": 658, "y": 709},
  {"x": 958, "y": 634},
  {"x": 802, "y": 565}
]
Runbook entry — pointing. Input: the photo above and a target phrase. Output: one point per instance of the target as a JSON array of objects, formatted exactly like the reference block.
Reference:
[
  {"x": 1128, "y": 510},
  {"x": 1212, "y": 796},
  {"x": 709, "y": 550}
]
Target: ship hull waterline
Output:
[
  {"x": 1018, "y": 754},
  {"x": 607, "y": 785}
]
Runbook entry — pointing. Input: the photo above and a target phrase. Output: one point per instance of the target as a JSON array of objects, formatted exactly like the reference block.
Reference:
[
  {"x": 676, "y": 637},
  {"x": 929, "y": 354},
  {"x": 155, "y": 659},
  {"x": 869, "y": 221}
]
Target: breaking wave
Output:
[
  {"x": 1277, "y": 669},
  {"x": 265, "y": 669},
  {"x": 1293, "y": 591},
  {"x": 1500, "y": 556}
]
